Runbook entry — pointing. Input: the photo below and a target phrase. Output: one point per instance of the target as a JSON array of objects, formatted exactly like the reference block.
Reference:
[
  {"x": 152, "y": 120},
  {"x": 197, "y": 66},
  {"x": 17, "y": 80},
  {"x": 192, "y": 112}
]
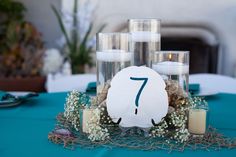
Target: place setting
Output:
[{"x": 12, "y": 99}]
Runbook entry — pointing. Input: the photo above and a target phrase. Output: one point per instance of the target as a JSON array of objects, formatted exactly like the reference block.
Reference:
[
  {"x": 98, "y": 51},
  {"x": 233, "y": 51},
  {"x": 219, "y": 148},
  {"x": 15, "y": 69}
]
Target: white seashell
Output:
[{"x": 63, "y": 132}]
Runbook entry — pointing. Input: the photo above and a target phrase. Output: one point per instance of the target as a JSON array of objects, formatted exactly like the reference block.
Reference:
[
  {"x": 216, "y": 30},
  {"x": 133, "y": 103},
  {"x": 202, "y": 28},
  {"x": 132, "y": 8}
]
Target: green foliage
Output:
[
  {"x": 21, "y": 47},
  {"x": 9, "y": 12},
  {"x": 79, "y": 52},
  {"x": 13, "y": 10}
]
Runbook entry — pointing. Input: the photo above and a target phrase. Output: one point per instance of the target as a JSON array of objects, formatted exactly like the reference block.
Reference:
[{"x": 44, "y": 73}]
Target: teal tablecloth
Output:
[{"x": 24, "y": 129}]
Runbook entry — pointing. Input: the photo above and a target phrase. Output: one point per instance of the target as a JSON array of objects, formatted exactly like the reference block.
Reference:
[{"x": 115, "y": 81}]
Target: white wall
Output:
[
  {"x": 39, "y": 12},
  {"x": 218, "y": 14}
]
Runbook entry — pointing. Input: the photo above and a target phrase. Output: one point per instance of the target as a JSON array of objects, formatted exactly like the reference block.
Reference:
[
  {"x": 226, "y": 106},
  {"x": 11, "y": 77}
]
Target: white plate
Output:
[
  {"x": 17, "y": 94},
  {"x": 9, "y": 103},
  {"x": 207, "y": 92}
]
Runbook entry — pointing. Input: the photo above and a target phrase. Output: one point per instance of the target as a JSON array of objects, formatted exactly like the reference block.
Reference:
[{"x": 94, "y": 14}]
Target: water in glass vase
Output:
[
  {"x": 144, "y": 44},
  {"x": 110, "y": 63},
  {"x": 175, "y": 71},
  {"x": 182, "y": 80}
]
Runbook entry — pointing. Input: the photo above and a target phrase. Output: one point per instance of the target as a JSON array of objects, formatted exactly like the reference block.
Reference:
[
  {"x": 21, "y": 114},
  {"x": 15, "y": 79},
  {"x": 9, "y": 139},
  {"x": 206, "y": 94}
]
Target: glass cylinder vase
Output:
[
  {"x": 113, "y": 54},
  {"x": 173, "y": 66},
  {"x": 145, "y": 39}
]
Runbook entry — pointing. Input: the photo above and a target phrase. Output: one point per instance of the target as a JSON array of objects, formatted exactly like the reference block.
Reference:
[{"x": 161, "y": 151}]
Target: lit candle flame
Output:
[{"x": 170, "y": 57}]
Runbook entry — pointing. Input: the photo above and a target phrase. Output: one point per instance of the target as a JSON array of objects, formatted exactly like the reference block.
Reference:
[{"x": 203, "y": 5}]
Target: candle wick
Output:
[{"x": 136, "y": 111}]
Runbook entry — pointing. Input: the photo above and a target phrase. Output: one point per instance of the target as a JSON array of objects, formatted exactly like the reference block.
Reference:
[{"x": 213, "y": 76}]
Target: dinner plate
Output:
[
  {"x": 19, "y": 94},
  {"x": 9, "y": 103},
  {"x": 206, "y": 92}
]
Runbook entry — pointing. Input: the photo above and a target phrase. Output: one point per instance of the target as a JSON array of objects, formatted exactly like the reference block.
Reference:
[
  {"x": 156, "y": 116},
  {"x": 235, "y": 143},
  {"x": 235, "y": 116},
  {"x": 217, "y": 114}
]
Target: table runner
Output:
[{"x": 24, "y": 129}]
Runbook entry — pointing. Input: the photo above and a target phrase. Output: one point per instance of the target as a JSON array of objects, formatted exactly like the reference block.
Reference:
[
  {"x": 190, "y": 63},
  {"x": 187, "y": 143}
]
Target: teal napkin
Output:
[
  {"x": 6, "y": 97},
  {"x": 194, "y": 88},
  {"x": 91, "y": 88}
]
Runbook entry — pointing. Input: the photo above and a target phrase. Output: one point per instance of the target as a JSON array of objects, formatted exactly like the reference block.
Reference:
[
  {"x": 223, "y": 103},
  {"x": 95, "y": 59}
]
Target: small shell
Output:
[
  {"x": 175, "y": 92},
  {"x": 63, "y": 132},
  {"x": 102, "y": 96},
  {"x": 171, "y": 109}
]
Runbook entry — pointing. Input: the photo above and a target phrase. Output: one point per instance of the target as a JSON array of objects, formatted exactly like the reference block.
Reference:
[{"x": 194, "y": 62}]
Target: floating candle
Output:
[
  {"x": 145, "y": 36},
  {"x": 171, "y": 68},
  {"x": 114, "y": 56}
]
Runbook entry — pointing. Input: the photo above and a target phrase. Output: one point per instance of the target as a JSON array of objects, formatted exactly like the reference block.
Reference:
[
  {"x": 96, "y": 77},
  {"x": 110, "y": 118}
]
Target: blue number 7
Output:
[{"x": 144, "y": 79}]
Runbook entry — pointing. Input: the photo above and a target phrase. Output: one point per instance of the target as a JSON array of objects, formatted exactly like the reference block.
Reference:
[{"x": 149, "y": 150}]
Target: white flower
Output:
[
  {"x": 85, "y": 17},
  {"x": 91, "y": 42},
  {"x": 66, "y": 69},
  {"x": 72, "y": 109},
  {"x": 95, "y": 131},
  {"x": 181, "y": 134},
  {"x": 53, "y": 61},
  {"x": 160, "y": 130}
]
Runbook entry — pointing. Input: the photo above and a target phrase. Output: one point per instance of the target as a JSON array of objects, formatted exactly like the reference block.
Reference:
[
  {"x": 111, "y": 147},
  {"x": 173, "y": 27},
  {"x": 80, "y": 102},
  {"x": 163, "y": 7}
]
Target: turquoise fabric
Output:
[
  {"x": 24, "y": 129},
  {"x": 2, "y": 94},
  {"x": 194, "y": 88},
  {"x": 91, "y": 88}
]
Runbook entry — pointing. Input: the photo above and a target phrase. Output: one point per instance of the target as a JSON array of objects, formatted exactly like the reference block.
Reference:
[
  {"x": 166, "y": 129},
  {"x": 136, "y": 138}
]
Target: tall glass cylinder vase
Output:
[
  {"x": 145, "y": 40},
  {"x": 173, "y": 66},
  {"x": 113, "y": 54}
]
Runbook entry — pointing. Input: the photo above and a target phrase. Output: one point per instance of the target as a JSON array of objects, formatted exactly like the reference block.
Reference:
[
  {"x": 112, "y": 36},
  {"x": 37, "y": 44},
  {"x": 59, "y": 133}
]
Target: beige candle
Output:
[
  {"x": 197, "y": 121},
  {"x": 89, "y": 116}
]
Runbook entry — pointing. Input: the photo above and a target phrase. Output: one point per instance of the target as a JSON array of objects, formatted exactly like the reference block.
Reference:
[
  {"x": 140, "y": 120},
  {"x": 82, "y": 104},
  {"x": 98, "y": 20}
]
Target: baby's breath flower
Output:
[
  {"x": 159, "y": 130},
  {"x": 95, "y": 131},
  {"x": 74, "y": 101}
]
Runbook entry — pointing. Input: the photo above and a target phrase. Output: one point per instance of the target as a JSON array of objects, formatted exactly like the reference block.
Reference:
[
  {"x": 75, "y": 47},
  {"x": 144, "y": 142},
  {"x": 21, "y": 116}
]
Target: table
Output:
[{"x": 24, "y": 129}]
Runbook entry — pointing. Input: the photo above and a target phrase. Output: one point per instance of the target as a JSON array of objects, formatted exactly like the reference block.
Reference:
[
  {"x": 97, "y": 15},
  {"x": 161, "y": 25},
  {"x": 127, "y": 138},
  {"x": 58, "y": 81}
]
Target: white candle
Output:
[
  {"x": 145, "y": 36},
  {"x": 114, "y": 56},
  {"x": 197, "y": 121},
  {"x": 88, "y": 118},
  {"x": 171, "y": 68}
]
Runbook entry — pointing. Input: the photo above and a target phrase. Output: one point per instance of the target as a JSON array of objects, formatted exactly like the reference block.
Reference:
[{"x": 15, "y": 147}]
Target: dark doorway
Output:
[{"x": 203, "y": 57}]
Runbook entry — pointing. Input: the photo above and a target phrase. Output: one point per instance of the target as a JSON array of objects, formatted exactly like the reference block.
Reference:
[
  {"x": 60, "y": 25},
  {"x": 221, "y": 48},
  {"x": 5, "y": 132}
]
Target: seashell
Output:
[
  {"x": 101, "y": 96},
  {"x": 175, "y": 93},
  {"x": 171, "y": 109},
  {"x": 64, "y": 132}
]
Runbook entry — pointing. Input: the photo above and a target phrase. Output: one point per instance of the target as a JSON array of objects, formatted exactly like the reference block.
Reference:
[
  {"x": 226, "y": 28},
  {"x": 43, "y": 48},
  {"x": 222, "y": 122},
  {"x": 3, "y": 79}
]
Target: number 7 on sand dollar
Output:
[{"x": 145, "y": 80}]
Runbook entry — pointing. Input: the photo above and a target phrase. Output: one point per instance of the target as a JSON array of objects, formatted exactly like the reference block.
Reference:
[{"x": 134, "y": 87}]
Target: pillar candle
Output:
[
  {"x": 89, "y": 116},
  {"x": 197, "y": 121}
]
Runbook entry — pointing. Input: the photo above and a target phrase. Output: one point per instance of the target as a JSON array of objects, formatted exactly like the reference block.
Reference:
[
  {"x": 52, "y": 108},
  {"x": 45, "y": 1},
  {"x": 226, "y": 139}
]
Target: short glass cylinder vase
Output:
[
  {"x": 198, "y": 118},
  {"x": 173, "y": 66},
  {"x": 113, "y": 54},
  {"x": 145, "y": 39}
]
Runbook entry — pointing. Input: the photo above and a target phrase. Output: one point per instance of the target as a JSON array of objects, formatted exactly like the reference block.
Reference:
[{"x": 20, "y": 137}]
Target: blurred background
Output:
[{"x": 47, "y": 45}]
